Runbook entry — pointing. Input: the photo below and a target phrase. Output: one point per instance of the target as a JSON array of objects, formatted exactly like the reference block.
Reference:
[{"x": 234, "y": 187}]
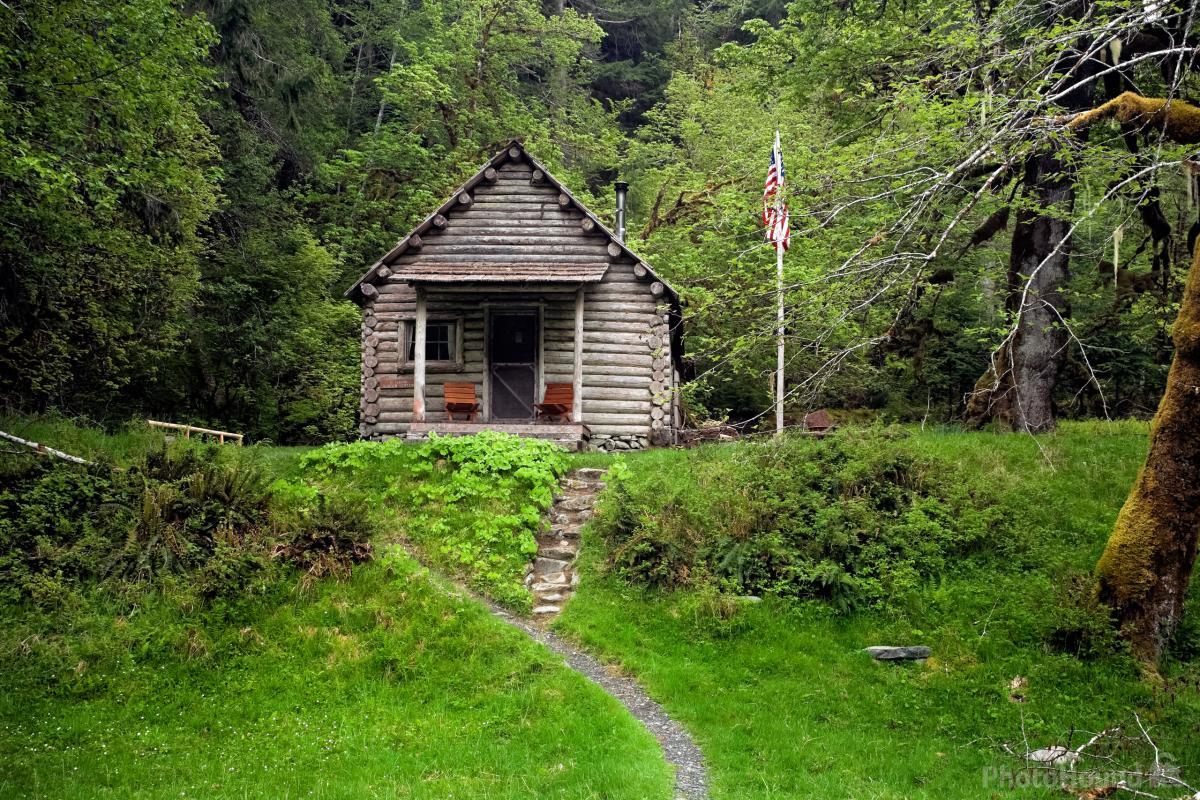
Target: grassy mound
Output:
[
  {"x": 190, "y": 621},
  {"x": 778, "y": 692}
]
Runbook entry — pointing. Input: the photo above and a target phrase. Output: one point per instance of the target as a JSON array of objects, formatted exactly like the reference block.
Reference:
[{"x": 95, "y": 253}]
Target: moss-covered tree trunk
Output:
[{"x": 1147, "y": 566}]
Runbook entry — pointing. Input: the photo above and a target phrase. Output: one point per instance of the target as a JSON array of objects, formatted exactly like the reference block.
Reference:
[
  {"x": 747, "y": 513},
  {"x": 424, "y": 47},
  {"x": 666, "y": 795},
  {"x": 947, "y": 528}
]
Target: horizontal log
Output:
[
  {"x": 616, "y": 325},
  {"x": 440, "y": 221},
  {"x": 464, "y": 199},
  {"x": 368, "y": 289},
  {"x": 619, "y": 292},
  {"x": 591, "y": 359},
  {"x": 614, "y": 249},
  {"x": 619, "y": 381},
  {"x": 639, "y": 420},
  {"x": 558, "y": 237},
  {"x": 491, "y": 175},
  {"x": 607, "y": 406},
  {"x": 537, "y": 176},
  {"x": 516, "y": 253},
  {"x": 635, "y": 340},
  {"x": 556, "y": 224},
  {"x": 480, "y": 217},
  {"x": 615, "y": 393},
  {"x": 617, "y": 430},
  {"x": 389, "y": 428},
  {"x": 640, "y": 271},
  {"x": 497, "y": 258},
  {"x": 599, "y": 319}
]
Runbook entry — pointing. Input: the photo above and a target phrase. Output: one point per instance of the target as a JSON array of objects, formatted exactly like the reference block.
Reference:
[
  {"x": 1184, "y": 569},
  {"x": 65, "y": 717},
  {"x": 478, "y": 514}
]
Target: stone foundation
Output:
[{"x": 605, "y": 442}]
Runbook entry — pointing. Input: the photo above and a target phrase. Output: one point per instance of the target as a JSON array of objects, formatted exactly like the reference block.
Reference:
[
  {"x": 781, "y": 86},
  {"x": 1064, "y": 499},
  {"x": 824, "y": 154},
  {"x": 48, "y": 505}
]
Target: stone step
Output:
[
  {"x": 580, "y": 485},
  {"x": 543, "y": 610},
  {"x": 567, "y": 531},
  {"x": 542, "y": 598},
  {"x": 589, "y": 473},
  {"x": 545, "y": 566},
  {"x": 562, "y": 517},
  {"x": 545, "y": 586},
  {"x": 563, "y": 552},
  {"x": 555, "y": 578},
  {"x": 575, "y": 503}
]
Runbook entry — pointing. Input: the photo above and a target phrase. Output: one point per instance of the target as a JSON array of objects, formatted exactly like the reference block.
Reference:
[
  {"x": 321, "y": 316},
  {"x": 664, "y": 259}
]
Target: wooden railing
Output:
[{"x": 188, "y": 430}]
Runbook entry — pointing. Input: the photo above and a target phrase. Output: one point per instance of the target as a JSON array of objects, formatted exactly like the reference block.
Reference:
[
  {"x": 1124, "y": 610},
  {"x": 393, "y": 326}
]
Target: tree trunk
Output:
[
  {"x": 1019, "y": 388},
  {"x": 1147, "y": 566}
]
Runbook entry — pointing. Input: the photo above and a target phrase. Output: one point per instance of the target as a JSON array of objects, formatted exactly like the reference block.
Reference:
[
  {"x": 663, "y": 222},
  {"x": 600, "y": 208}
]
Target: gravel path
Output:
[{"x": 691, "y": 782}]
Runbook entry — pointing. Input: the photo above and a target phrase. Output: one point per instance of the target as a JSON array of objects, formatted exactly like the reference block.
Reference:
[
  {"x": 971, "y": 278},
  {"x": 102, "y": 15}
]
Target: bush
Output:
[
  {"x": 329, "y": 538},
  {"x": 472, "y": 503},
  {"x": 185, "y": 508},
  {"x": 857, "y": 518}
]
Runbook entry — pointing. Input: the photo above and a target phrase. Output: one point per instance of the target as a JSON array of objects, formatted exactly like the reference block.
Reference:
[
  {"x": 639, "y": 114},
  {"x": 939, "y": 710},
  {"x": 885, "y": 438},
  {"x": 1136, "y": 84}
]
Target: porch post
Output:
[
  {"x": 419, "y": 359},
  {"x": 577, "y": 378}
]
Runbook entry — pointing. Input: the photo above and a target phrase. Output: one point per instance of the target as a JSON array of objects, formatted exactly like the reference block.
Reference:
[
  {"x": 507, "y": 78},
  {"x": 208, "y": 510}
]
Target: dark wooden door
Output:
[{"x": 513, "y": 355}]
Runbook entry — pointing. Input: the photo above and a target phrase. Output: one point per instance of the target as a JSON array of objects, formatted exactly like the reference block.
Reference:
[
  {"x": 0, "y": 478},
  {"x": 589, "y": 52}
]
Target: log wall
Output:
[{"x": 517, "y": 223}]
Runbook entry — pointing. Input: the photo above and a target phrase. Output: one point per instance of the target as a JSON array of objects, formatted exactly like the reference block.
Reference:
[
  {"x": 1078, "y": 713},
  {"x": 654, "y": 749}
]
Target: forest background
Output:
[{"x": 186, "y": 191}]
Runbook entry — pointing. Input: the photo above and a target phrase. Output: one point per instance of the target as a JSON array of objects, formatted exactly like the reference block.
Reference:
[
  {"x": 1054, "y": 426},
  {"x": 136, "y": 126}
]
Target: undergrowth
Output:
[
  {"x": 860, "y": 518},
  {"x": 472, "y": 504},
  {"x": 180, "y": 509}
]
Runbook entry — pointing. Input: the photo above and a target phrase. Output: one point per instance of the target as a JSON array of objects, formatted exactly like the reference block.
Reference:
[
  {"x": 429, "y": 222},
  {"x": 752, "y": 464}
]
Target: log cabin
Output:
[{"x": 511, "y": 286}]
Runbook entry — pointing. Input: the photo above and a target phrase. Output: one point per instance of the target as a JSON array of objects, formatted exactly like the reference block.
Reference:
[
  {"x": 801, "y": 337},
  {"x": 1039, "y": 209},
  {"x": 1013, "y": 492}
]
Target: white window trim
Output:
[{"x": 456, "y": 363}]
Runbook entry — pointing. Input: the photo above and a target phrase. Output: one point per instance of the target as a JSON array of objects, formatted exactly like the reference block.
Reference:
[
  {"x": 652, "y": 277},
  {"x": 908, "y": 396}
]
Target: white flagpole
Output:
[{"x": 779, "y": 311}]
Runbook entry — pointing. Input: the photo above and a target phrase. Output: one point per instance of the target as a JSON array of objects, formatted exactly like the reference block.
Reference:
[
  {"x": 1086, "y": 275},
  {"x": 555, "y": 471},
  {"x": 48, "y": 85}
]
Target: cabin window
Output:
[{"x": 440, "y": 340}]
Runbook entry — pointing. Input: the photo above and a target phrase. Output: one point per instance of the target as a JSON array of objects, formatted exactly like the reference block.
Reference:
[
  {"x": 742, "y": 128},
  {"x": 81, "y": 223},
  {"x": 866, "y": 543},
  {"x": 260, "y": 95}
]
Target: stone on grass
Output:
[{"x": 892, "y": 653}]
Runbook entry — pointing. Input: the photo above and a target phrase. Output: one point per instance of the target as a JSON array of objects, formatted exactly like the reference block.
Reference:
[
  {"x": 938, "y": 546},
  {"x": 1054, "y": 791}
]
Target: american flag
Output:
[{"x": 775, "y": 213}]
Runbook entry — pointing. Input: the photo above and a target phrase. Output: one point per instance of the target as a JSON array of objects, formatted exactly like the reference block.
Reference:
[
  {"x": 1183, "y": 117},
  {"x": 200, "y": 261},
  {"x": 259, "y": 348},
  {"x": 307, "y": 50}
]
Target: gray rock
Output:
[
  {"x": 893, "y": 653},
  {"x": 546, "y": 566},
  {"x": 546, "y": 610}
]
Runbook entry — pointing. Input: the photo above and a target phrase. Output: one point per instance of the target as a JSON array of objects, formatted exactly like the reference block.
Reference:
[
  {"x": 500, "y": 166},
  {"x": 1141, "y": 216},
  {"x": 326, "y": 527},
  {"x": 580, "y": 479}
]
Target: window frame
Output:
[{"x": 408, "y": 328}]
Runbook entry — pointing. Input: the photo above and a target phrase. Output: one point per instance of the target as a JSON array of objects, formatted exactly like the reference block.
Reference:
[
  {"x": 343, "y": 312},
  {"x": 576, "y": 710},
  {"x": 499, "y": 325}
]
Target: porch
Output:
[{"x": 571, "y": 435}]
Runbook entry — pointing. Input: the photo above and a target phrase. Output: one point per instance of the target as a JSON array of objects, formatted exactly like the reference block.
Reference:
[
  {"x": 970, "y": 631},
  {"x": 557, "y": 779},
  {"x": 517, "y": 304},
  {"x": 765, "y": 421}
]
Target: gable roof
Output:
[{"x": 520, "y": 267}]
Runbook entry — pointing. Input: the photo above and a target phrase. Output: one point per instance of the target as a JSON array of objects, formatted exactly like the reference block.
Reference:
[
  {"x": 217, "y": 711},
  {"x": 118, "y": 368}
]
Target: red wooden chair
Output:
[
  {"x": 557, "y": 404},
  {"x": 460, "y": 399}
]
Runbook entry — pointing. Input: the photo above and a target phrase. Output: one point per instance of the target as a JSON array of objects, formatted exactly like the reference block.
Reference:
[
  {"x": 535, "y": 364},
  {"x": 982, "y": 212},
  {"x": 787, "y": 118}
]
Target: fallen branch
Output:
[{"x": 44, "y": 450}]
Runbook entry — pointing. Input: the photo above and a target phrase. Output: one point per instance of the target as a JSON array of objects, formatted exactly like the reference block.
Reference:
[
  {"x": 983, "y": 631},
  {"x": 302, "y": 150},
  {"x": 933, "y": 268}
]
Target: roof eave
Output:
[{"x": 353, "y": 293}]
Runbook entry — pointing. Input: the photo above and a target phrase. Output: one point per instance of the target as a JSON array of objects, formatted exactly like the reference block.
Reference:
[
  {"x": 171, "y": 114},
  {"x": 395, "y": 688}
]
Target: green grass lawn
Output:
[
  {"x": 381, "y": 685},
  {"x": 784, "y": 704}
]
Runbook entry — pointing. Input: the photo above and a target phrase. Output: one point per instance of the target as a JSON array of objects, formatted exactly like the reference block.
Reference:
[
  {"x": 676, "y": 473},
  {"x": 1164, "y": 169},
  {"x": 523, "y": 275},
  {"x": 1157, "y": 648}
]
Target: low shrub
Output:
[
  {"x": 328, "y": 537},
  {"x": 183, "y": 509},
  {"x": 857, "y": 518},
  {"x": 471, "y": 503}
]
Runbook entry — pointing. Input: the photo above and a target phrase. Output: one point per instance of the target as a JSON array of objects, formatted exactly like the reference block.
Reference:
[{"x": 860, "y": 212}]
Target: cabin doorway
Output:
[{"x": 513, "y": 364}]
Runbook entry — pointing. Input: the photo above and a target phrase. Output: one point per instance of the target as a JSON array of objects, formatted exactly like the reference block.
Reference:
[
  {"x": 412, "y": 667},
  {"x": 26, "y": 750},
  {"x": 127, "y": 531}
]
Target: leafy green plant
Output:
[
  {"x": 859, "y": 518},
  {"x": 471, "y": 503}
]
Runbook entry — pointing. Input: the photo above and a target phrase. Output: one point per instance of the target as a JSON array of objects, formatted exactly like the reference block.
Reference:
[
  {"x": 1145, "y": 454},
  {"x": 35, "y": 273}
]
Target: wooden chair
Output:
[
  {"x": 460, "y": 399},
  {"x": 557, "y": 404}
]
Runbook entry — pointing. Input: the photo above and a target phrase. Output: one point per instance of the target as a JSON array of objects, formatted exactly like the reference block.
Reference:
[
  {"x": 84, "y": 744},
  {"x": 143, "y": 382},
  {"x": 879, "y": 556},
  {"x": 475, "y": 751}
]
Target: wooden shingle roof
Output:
[{"x": 511, "y": 222}]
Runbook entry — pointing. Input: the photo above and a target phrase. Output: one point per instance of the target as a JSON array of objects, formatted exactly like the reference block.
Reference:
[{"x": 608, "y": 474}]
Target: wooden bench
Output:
[
  {"x": 557, "y": 404},
  {"x": 460, "y": 399}
]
